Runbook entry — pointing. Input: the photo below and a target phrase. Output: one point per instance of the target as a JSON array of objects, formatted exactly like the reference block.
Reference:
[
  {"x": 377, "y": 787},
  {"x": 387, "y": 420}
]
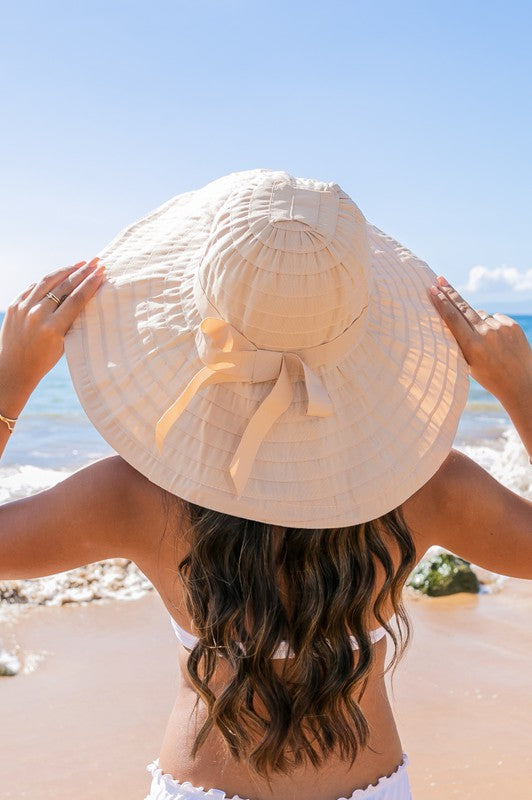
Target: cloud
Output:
[{"x": 505, "y": 281}]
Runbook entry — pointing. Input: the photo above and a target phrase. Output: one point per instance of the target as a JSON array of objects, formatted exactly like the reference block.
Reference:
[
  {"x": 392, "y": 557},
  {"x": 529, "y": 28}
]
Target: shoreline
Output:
[{"x": 91, "y": 715}]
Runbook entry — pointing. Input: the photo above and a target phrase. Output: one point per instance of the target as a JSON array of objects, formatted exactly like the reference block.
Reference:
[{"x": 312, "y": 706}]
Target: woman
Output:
[{"x": 283, "y": 396}]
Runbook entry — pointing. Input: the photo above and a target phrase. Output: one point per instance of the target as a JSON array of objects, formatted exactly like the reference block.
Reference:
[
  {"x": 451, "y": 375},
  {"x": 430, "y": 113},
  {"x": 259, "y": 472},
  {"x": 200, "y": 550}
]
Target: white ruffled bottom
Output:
[{"x": 165, "y": 787}]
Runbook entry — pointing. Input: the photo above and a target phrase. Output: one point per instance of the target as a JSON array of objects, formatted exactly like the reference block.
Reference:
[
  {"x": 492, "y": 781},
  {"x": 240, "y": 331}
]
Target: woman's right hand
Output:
[
  {"x": 34, "y": 327},
  {"x": 495, "y": 347}
]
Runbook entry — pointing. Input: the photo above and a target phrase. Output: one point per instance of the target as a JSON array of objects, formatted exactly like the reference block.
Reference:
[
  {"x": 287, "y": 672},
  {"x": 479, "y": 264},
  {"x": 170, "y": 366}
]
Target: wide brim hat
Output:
[{"x": 260, "y": 349}]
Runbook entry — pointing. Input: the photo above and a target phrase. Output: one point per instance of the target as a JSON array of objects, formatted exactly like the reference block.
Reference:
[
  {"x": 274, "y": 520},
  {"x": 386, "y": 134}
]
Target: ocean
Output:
[{"x": 53, "y": 438}]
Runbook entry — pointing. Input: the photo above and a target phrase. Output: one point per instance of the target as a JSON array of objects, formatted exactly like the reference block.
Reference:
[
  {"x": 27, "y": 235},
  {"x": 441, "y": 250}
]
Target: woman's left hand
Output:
[{"x": 34, "y": 327}]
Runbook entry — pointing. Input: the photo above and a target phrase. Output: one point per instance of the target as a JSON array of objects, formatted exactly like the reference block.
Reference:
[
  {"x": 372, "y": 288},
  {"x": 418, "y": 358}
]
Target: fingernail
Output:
[
  {"x": 436, "y": 293},
  {"x": 442, "y": 281}
]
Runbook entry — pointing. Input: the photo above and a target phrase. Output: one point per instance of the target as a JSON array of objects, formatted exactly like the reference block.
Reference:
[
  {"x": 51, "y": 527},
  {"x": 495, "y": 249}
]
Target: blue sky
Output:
[{"x": 421, "y": 111}]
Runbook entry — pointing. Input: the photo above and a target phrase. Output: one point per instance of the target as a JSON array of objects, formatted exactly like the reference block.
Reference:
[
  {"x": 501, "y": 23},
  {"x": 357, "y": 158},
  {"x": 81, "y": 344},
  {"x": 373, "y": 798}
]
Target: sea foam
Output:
[
  {"x": 25, "y": 480},
  {"x": 506, "y": 459}
]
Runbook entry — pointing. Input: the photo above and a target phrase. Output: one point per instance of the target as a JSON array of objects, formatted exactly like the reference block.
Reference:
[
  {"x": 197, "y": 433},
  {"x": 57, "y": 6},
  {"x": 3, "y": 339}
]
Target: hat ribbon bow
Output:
[{"x": 229, "y": 356}]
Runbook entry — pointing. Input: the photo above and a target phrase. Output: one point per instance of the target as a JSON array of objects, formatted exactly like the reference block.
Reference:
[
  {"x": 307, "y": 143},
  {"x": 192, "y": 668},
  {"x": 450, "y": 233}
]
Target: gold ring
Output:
[{"x": 52, "y": 296}]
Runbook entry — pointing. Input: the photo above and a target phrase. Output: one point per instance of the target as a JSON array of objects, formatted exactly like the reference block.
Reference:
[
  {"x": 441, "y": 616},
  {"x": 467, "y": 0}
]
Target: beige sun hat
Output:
[{"x": 258, "y": 348}]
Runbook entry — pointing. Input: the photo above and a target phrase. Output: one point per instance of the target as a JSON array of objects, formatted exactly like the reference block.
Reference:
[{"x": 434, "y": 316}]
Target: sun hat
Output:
[{"x": 260, "y": 349}]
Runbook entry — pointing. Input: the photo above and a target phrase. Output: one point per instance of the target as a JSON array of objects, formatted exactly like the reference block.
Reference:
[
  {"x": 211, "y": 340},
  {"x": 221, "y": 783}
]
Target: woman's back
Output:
[{"x": 212, "y": 766}]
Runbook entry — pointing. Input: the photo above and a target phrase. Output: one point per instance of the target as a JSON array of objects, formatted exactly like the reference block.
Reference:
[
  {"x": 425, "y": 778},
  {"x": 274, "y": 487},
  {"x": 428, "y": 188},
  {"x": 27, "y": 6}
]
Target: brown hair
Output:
[{"x": 233, "y": 576}]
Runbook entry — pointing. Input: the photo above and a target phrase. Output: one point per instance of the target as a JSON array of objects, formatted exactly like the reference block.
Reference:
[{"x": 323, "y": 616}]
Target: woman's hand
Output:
[
  {"x": 34, "y": 327},
  {"x": 495, "y": 347}
]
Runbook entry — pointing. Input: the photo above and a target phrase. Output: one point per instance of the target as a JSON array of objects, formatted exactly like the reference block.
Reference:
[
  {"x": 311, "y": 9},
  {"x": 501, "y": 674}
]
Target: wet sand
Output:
[{"x": 92, "y": 714}]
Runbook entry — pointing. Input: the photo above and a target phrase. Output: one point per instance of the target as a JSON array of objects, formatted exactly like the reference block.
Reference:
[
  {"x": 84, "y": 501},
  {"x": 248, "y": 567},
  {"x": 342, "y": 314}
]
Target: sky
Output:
[{"x": 421, "y": 111}]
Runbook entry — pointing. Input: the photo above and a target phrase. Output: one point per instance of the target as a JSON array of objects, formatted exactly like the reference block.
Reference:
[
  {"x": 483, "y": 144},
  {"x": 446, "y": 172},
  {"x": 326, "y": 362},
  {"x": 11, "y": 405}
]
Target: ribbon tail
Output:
[
  {"x": 319, "y": 402},
  {"x": 205, "y": 376},
  {"x": 260, "y": 423}
]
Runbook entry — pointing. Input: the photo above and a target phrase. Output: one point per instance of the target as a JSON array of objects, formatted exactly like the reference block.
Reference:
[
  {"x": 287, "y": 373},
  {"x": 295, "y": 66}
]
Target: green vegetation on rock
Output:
[{"x": 443, "y": 574}]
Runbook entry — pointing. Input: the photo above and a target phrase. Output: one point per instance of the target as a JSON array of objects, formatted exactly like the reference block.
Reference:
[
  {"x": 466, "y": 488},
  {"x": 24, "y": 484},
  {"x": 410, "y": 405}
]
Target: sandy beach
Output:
[{"x": 91, "y": 714}]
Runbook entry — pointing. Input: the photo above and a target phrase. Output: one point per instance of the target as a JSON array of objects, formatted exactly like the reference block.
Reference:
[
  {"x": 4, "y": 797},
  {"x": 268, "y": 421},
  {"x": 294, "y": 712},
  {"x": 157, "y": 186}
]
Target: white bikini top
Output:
[{"x": 188, "y": 640}]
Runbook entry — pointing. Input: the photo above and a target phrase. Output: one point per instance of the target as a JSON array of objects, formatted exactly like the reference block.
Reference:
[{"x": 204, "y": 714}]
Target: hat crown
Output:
[{"x": 287, "y": 262}]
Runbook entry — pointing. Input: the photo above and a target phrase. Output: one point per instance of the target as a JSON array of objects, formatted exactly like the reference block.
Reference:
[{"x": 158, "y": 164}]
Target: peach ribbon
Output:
[{"x": 229, "y": 356}]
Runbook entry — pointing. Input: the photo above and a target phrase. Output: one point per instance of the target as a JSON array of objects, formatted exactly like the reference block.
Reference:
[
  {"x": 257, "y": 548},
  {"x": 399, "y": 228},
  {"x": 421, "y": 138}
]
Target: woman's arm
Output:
[
  {"x": 88, "y": 516},
  {"x": 465, "y": 510},
  {"x": 105, "y": 510},
  {"x": 462, "y": 508}
]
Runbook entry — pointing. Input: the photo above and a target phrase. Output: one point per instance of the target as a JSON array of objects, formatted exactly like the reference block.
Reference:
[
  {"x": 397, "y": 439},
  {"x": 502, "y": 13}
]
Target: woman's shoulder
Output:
[
  {"x": 157, "y": 513},
  {"x": 140, "y": 507},
  {"x": 455, "y": 467},
  {"x": 447, "y": 496}
]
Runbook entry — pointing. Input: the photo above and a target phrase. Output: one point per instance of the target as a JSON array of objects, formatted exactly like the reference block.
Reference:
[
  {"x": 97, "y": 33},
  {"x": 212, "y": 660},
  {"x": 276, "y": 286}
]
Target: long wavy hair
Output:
[{"x": 248, "y": 587}]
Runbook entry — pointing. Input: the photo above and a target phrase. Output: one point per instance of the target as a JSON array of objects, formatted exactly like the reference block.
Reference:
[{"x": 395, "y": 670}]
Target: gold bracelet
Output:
[{"x": 9, "y": 422}]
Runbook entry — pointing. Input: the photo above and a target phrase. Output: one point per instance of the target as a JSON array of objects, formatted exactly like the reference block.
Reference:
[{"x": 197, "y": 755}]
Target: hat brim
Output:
[{"x": 397, "y": 396}]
